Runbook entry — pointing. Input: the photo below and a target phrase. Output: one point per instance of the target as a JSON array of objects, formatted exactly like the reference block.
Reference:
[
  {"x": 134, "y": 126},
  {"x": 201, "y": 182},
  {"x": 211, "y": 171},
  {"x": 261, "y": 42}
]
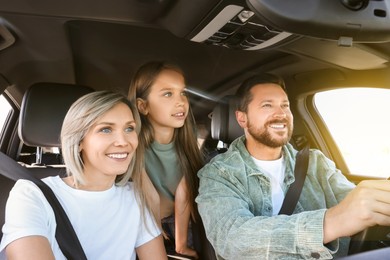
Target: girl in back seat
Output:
[{"x": 172, "y": 156}]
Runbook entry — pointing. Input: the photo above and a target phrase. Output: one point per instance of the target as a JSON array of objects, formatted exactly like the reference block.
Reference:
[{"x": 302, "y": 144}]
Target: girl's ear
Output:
[{"x": 142, "y": 107}]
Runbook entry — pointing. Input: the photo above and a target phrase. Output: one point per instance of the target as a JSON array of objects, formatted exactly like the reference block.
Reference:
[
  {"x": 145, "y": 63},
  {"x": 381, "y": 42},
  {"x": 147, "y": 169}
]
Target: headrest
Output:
[
  {"x": 43, "y": 109},
  {"x": 224, "y": 126}
]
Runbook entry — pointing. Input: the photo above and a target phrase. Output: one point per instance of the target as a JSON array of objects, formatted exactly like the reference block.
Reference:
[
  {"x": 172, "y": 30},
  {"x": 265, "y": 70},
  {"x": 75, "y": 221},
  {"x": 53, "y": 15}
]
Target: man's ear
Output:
[
  {"x": 241, "y": 118},
  {"x": 142, "y": 107}
]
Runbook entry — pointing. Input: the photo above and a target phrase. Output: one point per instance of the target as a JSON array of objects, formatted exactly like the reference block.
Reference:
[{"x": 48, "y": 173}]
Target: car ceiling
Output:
[{"x": 101, "y": 43}]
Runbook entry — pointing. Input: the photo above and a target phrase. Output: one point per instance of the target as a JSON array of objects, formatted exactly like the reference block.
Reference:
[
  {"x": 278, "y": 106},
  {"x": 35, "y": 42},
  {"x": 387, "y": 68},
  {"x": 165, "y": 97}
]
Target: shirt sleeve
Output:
[
  {"x": 27, "y": 213},
  {"x": 339, "y": 185},
  {"x": 148, "y": 229},
  {"x": 236, "y": 233}
]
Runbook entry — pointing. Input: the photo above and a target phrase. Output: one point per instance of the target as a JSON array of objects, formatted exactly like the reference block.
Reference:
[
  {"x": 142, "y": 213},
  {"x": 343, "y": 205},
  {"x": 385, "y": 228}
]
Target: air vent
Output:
[{"x": 237, "y": 28}]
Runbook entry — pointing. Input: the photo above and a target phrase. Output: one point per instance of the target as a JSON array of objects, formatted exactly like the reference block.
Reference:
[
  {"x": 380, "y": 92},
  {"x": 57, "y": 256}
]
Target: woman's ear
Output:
[{"x": 142, "y": 106}]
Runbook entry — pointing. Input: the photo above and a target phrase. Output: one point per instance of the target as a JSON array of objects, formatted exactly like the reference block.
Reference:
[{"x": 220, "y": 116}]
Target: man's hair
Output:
[{"x": 243, "y": 94}]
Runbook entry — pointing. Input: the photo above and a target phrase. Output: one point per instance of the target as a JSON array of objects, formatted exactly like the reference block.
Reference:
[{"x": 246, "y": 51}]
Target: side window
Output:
[
  {"x": 358, "y": 120},
  {"x": 5, "y": 109}
]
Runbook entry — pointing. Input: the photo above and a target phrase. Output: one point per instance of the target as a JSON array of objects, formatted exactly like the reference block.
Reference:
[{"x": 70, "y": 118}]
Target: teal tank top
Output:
[{"x": 162, "y": 166}]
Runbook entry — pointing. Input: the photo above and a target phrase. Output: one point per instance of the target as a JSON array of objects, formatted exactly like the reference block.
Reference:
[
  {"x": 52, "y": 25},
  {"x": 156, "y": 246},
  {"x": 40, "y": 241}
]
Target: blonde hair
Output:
[{"x": 80, "y": 117}]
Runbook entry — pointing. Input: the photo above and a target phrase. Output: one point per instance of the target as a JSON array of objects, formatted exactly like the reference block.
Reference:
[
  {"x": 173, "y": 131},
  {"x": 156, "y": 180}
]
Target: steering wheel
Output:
[{"x": 369, "y": 239}]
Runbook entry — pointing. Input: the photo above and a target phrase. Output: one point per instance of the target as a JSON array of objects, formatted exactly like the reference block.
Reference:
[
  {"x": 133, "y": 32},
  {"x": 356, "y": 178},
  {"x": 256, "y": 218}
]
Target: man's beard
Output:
[{"x": 263, "y": 136}]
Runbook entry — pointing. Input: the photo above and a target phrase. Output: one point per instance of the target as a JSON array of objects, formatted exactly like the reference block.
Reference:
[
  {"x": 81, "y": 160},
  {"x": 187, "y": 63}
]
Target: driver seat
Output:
[{"x": 224, "y": 126}]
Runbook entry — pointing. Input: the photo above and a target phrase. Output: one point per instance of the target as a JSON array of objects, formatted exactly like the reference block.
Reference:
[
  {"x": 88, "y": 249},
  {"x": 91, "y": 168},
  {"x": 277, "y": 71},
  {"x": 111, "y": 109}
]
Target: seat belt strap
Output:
[
  {"x": 65, "y": 235},
  {"x": 292, "y": 196}
]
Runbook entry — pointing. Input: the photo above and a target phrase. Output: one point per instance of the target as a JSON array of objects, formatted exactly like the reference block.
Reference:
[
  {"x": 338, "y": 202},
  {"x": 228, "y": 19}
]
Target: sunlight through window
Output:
[
  {"x": 358, "y": 120},
  {"x": 5, "y": 108}
]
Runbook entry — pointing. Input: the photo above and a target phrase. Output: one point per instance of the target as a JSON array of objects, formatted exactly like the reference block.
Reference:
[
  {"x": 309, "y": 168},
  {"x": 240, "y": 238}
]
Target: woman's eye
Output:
[
  {"x": 267, "y": 105},
  {"x": 184, "y": 93},
  {"x": 130, "y": 129},
  {"x": 168, "y": 94},
  {"x": 105, "y": 130}
]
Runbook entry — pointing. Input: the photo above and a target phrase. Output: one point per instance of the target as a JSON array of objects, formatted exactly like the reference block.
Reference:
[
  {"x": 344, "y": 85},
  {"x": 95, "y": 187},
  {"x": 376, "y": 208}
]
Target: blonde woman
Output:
[{"x": 110, "y": 215}]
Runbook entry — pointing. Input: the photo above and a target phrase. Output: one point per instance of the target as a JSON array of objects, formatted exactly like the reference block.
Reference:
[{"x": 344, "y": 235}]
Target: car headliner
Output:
[{"x": 101, "y": 43}]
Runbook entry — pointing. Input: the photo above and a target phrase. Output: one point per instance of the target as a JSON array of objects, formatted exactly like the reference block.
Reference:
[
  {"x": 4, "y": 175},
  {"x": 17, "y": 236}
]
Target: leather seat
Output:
[
  {"x": 43, "y": 109},
  {"x": 224, "y": 126}
]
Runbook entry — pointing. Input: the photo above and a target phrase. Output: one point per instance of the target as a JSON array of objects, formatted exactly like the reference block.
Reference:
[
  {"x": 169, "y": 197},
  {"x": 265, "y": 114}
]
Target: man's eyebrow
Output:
[
  {"x": 272, "y": 101},
  {"x": 266, "y": 101}
]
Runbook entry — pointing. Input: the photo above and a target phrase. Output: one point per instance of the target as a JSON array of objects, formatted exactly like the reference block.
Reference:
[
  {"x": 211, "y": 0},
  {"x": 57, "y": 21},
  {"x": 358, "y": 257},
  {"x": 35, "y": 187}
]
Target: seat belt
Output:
[
  {"x": 65, "y": 235},
  {"x": 292, "y": 196}
]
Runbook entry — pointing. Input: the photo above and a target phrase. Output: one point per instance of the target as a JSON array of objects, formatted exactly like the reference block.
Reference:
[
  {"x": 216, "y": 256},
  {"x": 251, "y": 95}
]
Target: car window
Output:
[
  {"x": 357, "y": 119},
  {"x": 5, "y": 109}
]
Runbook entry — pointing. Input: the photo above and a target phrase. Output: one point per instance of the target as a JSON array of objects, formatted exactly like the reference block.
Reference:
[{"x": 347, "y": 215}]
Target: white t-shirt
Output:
[
  {"x": 274, "y": 170},
  {"x": 107, "y": 223}
]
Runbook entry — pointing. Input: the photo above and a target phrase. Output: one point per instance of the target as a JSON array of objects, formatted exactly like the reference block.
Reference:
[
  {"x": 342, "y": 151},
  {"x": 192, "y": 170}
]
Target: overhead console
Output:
[
  {"x": 233, "y": 25},
  {"x": 346, "y": 21},
  {"x": 319, "y": 29},
  {"x": 259, "y": 24}
]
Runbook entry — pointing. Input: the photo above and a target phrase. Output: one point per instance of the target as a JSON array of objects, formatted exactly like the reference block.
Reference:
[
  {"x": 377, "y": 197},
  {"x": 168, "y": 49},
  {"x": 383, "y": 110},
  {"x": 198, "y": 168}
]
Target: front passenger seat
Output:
[{"x": 43, "y": 109}]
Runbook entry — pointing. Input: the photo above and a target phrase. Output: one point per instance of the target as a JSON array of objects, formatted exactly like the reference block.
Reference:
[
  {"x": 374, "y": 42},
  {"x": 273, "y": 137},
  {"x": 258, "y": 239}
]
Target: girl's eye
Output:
[
  {"x": 168, "y": 94},
  {"x": 184, "y": 93},
  {"x": 267, "y": 105}
]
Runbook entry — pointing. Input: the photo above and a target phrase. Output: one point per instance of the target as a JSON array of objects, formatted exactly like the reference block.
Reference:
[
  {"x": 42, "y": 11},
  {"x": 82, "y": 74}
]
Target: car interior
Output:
[
  {"x": 52, "y": 52},
  {"x": 43, "y": 109}
]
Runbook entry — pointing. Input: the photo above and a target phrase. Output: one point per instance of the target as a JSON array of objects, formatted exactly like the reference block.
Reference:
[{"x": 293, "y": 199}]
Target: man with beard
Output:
[{"x": 241, "y": 191}]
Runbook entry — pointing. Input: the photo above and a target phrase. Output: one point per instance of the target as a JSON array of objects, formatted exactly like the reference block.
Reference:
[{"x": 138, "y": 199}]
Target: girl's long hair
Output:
[{"x": 188, "y": 154}]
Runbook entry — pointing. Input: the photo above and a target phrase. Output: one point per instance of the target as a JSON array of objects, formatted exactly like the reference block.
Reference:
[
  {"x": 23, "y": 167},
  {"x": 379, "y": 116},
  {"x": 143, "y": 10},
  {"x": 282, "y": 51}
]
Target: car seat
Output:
[
  {"x": 43, "y": 109},
  {"x": 224, "y": 127}
]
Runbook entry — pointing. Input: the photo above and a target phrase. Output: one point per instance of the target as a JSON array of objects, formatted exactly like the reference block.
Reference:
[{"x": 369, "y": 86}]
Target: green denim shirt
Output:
[{"x": 235, "y": 205}]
